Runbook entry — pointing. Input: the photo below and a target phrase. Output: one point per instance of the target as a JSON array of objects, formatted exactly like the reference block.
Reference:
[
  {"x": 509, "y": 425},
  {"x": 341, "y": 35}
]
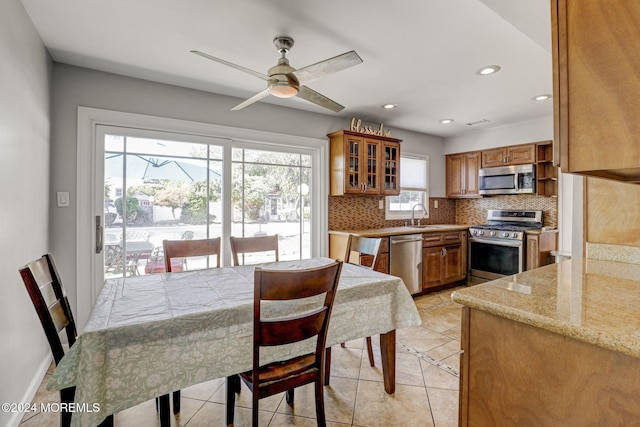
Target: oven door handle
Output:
[{"x": 513, "y": 244}]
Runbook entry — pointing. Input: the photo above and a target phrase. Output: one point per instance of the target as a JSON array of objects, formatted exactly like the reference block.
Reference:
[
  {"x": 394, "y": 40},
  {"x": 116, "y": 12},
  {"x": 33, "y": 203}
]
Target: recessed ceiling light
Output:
[
  {"x": 489, "y": 69},
  {"x": 446, "y": 121},
  {"x": 542, "y": 97},
  {"x": 389, "y": 106}
]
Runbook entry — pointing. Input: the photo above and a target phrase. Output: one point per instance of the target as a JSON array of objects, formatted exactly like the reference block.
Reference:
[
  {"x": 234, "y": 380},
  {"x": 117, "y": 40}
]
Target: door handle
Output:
[{"x": 99, "y": 234}]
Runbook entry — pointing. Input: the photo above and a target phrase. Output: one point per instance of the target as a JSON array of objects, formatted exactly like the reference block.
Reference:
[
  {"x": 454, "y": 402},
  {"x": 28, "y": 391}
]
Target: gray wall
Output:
[{"x": 24, "y": 172}]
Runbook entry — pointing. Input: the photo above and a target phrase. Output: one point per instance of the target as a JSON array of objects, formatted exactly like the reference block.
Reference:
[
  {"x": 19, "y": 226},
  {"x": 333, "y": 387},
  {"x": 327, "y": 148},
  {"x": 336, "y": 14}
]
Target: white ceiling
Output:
[{"x": 420, "y": 54}]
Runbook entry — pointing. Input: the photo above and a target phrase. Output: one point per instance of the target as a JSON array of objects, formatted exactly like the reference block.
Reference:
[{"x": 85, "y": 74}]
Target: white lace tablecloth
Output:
[{"x": 150, "y": 335}]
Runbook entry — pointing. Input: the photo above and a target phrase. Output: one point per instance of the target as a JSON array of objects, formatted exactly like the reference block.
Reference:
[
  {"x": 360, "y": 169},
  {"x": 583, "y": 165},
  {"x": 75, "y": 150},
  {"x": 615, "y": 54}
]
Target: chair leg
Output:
[
  {"x": 231, "y": 397},
  {"x": 176, "y": 402},
  {"x": 289, "y": 396},
  {"x": 370, "y": 351},
  {"x": 322, "y": 422},
  {"x": 108, "y": 422},
  {"x": 163, "y": 402},
  {"x": 254, "y": 408},
  {"x": 67, "y": 395},
  {"x": 327, "y": 365}
]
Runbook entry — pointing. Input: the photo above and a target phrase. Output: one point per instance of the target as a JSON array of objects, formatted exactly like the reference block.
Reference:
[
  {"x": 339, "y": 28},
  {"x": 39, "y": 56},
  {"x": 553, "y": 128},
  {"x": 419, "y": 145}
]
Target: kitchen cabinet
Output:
[
  {"x": 539, "y": 247},
  {"x": 462, "y": 174},
  {"x": 444, "y": 258},
  {"x": 596, "y": 88},
  {"x": 363, "y": 164},
  {"x": 508, "y": 156},
  {"x": 546, "y": 170}
]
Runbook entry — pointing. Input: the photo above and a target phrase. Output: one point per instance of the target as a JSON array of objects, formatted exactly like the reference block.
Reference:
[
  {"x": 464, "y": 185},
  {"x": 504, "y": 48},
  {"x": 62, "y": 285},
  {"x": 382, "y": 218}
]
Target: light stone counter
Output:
[
  {"x": 590, "y": 300},
  {"x": 396, "y": 231}
]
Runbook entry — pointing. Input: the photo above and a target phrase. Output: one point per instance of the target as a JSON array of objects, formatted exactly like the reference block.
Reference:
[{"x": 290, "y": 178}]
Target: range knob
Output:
[
  {"x": 514, "y": 235},
  {"x": 492, "y": 233},
  {"x": 505, "y": 234}
]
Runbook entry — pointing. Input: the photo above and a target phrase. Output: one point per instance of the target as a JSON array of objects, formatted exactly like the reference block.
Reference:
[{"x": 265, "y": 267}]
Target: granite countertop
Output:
[
  {"x": 590, "y": 300},
  {"x": 395, "y": 231}
]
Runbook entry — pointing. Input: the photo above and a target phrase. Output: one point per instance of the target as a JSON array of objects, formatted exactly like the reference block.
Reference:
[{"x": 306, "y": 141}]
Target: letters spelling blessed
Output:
[{"x": 355, "y": 127}]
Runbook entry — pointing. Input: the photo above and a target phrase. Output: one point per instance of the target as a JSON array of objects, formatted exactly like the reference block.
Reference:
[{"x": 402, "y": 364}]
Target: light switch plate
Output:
[
  {"x": 381, "y": 204},
  {"x": 63, "y": 199}
]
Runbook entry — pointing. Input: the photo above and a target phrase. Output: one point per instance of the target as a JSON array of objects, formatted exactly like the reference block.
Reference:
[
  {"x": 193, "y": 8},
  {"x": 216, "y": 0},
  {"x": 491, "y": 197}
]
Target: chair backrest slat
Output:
[
  {"x": 280, "y": 285},
  {"x": 190, "y": 248},
  {"x": 48, "y": 296},
  {"x": 244, "y": 245},
  {"x": 362, "y": 246}
]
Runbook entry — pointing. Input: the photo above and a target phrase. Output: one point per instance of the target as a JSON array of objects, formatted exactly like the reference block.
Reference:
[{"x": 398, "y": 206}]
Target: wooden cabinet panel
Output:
[
  {"x": 462, "y": 174},
  {"x": 363, "y": 164},
  {"x": 508, "y": 156},
  {"x": 539, "y": 247},
  {"x": 546, "y": 171},
  {"x": 596, "y": 87},
  {"x": 444, "y": 258},
  {"x": 431, "y": 267},
  {"x": 509, "y": 376}
]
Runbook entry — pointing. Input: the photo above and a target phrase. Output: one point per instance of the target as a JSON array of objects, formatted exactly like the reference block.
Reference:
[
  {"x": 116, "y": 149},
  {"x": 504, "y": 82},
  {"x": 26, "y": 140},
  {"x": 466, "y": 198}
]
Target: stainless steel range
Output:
[{"x": 497, "y": 249}]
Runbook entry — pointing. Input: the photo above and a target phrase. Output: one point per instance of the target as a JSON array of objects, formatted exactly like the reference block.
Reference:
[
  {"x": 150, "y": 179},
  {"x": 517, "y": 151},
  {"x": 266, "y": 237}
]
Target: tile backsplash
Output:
[{"x": 362, "y": 212}]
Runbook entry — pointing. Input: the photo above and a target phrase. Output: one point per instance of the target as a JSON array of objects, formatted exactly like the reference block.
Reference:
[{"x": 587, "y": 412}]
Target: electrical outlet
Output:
[
  {"x": 435, "y": 204},
  {"x": 381, "y": 204}
]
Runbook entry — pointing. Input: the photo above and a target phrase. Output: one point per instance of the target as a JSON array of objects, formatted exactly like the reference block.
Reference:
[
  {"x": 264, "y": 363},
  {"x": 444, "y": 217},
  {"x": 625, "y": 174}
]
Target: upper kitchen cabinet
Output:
[
  {"x": 596, "y": 81},
  {"x": 364, "y": 164},
  {"x": 462, "y": 174},
  {"x": 507, "y": 156}
]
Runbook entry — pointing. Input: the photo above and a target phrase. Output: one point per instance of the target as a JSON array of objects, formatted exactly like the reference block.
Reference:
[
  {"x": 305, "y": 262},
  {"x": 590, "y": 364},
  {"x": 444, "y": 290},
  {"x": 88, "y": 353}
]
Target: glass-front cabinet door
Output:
[
  {"x": 371, "y": 166},
  {"x": 353, "y": 159},
  {"x": 391, "y": 169}
]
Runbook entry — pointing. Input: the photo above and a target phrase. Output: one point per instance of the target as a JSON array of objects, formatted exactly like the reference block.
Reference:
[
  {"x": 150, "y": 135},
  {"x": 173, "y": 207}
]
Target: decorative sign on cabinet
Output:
[{"x": 364, "y": 164}]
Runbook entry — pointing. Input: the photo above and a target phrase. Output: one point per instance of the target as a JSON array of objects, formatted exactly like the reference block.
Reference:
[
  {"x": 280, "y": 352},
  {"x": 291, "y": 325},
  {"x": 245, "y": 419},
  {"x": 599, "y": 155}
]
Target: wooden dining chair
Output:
[
  {"x": 243, "y": 245},
  {"x": 273, "y": 286},
  {"x": 362, "y": 251},
  {"x": 49, "y": 298},
  {"x": 183, "y": 249},
  {"x": 190, "y": 248}
]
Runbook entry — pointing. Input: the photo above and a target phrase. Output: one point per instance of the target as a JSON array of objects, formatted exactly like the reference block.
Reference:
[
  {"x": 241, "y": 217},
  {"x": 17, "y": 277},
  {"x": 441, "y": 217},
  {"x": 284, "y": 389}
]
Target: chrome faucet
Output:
[{"x": 413, "y": 211}]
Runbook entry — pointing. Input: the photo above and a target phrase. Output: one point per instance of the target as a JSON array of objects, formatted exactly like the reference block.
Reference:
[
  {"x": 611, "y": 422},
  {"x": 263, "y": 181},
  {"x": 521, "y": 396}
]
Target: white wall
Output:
[
  {"x": 75, "y": 87},
  {"x": 25, "y": 193}
]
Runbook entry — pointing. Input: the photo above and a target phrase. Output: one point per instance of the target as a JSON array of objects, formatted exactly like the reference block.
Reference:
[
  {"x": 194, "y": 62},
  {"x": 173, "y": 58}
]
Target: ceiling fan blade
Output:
[
  {"x": 254, "y": 98},
  {"x": 312, "y": 96},
  {"x": 328, "y": 66},
  {"x": 232, "y": 65}
]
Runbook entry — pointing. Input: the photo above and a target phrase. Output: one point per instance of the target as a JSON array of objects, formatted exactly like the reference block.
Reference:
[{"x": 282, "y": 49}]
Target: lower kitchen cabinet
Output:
[
  {"x": 444, "y": 259},
  {"x": 539, "y": 248}
]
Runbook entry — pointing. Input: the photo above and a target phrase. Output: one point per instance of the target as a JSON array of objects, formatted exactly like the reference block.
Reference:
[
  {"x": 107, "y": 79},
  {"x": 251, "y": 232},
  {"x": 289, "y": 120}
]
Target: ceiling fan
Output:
[{"x": 284, "y": 81}]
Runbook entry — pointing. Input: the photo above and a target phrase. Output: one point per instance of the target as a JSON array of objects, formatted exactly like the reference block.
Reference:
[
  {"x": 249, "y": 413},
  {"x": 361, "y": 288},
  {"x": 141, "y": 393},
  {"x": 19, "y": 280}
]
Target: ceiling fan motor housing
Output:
[{"x": 282, "y": 83}]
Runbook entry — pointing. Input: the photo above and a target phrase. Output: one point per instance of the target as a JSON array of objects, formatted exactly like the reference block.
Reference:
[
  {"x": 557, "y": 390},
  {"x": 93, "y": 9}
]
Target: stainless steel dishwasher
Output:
[{"x": 405, "y": 259}]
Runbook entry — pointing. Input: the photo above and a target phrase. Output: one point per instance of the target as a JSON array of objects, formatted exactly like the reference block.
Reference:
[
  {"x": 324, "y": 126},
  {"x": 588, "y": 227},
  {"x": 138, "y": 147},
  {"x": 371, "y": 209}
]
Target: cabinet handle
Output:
[{"x": 444, "y": 252}]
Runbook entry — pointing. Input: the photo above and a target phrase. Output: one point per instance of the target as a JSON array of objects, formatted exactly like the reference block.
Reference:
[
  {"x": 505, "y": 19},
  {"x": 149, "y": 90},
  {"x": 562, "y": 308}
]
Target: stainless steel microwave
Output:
[{"x": 519, "y": 179}]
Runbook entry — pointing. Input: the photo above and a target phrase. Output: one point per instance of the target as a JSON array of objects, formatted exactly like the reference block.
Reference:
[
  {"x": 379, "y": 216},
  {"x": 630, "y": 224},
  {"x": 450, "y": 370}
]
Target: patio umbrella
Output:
[{"x": 147, "y": 168}]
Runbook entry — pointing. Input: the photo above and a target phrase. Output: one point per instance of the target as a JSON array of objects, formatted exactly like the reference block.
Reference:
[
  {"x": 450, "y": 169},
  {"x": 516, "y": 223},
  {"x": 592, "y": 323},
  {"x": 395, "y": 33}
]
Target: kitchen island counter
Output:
[
  {"x": 590, "y": 300},
  {"x": 557, "y": 345}
]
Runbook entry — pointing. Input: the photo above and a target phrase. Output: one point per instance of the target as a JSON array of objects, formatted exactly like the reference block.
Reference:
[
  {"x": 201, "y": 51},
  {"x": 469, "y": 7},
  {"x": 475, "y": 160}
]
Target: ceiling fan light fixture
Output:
[{"x": 283, "y": 90}]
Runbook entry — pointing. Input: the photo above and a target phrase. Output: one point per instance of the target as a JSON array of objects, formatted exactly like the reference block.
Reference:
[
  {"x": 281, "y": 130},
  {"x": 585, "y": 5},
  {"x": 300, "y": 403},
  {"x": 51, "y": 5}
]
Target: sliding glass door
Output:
[{"x": 159, "y": 185}]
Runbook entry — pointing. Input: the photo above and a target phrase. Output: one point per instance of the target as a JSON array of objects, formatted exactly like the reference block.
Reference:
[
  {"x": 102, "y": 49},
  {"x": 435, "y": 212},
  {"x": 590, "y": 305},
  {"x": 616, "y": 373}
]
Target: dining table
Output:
[{"x": 150, "y": 335}]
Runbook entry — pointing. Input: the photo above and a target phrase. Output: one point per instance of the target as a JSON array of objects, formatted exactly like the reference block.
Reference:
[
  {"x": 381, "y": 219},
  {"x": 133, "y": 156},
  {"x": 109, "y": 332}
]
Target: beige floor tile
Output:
[
  {"x": 435, "y": 377},
  {"x": 444, "y": 407},
  {"x": 444, "y": 351},
  {"x": 339, "y": 401},
  {"x": 407, "y": 368},
  {"x": 214, "y": 414},
  {"x": 203, "y": 391},
  {"x": 408, "y": 406},
  {"x": 145, "y": 414},
  {"x": 283, "y": 420},
  {"x": 420, "y": 339},
  {"x": 345, "y": 361},
  {"x": 244, "y": 399}
]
